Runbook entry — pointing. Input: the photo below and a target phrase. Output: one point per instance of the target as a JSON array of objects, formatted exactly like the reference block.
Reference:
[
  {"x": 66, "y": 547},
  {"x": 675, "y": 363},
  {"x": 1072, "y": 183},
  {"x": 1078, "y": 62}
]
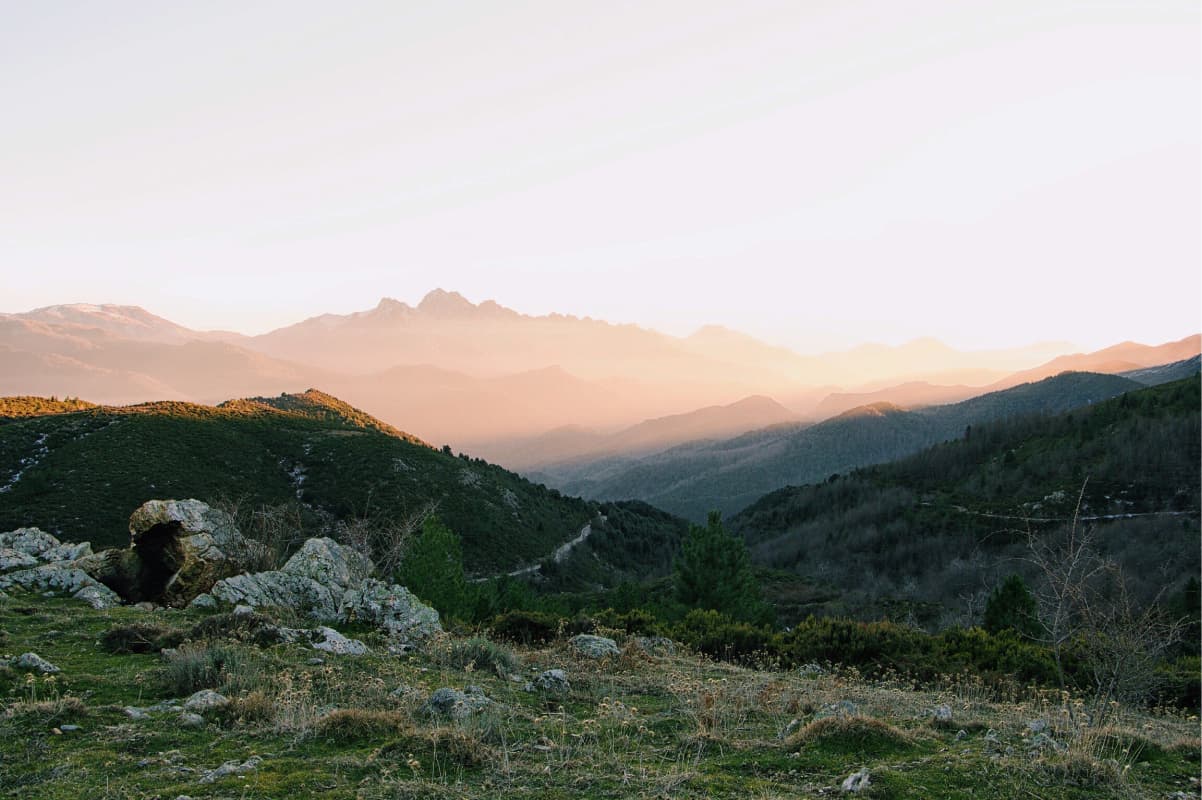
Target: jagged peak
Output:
[{"x": 442, "y": 302}]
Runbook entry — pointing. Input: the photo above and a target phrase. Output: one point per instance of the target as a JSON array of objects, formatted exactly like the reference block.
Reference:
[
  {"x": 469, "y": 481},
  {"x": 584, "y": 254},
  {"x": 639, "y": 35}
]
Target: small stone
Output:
[
  {"x": 942, "y": 713},
  {"x": 191, "y": 720},
  {"x": 68, "y": 728},
  {"x": 98, "y": 596},
  {"x": 790, "y": 729},
  {"x": 857, "y": 782},
  {"x": 231, "y": 768},
  {"x": 553, "y": 680},
  {"x": 135, "y": 713},
  {"x": 961, "y": 735},
  {"x": 315, "y": 661},
  {"x": 201, "y": 601},
  {"x": 242, "y": 610},
  {"x": 334, "y": 642},
  {"x": 594, "y": 646},
  {"x": 448, "y": 702},
  {"x": 34, "y": 663},
  {"x": 204, "y": 700}
]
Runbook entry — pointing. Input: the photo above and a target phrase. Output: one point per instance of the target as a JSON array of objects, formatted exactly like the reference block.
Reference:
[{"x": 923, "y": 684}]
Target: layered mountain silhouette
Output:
[{"x": 525, "y": 389}]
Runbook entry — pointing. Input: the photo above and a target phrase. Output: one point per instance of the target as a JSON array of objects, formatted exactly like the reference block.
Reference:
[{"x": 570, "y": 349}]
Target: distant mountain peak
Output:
[
  {"x": 389, "y": 305},
  {"x": 443, "y": 303}
]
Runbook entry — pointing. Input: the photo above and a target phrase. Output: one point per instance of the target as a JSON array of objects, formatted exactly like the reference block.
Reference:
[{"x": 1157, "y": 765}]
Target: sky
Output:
[{"x": 814, "y": 173}]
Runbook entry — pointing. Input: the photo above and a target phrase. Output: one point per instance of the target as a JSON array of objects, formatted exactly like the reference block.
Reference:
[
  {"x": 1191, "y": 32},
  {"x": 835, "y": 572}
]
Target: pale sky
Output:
[{"x": 814, "y": 173}]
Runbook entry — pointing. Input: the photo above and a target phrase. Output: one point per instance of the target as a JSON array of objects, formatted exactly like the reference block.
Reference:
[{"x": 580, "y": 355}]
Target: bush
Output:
[
  {"x": 194, "y": 667},
  {"x": 350, "y": 724},
  {"x": 525, "y": 627},
  {"x": 481, "y": 654},
  {"x": 139, "y": 637},
  {"x": 719, "y": 636}
]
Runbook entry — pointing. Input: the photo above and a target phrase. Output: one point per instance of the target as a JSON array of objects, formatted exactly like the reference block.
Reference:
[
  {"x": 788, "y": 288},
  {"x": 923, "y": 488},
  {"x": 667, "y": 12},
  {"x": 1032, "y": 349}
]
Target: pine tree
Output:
[
  {"x": 1012, "y": 606},
  {"x": 433, "y": 570},
  {"x": 713, "y": 571}
]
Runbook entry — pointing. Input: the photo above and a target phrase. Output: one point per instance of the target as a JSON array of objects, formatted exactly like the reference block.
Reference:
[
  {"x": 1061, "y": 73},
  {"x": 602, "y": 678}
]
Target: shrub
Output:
[
  {"x": 525, "y": 627},
  {"x": 864, "y": 736},
  {"x": 139, "y": 637},
  {"x": 349, "y": 724},
  {"x": 719, "y": 636},
  {"x": 198, "y": 666},
  {"x": 480, "y": 653}
]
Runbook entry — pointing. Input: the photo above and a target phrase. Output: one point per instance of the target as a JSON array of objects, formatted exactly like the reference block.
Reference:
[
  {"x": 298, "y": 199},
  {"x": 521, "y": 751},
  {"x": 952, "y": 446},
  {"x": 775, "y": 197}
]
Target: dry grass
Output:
[{"x": 865, "y": 734}]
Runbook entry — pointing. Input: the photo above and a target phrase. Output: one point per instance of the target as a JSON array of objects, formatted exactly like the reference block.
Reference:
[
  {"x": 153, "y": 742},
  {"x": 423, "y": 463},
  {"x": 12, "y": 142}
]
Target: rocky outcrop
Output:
[
  {"x": 36, "y": 561},
  {"x": 393, "y": 609},
  {"x": 274, "y": 588},
  {"x": 334, "y": 566},
  {"x": 182, "y": 548}
]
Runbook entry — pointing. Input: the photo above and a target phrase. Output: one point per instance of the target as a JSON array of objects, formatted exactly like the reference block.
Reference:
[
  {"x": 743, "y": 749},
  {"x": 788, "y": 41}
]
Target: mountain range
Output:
[{"x": 523, "y": 390}]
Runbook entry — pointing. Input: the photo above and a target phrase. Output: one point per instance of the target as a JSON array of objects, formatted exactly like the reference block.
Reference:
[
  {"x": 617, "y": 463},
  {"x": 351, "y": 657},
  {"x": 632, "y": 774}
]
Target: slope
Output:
[
  {"x": 727, "y": 475},
  {"x": 79, "y": 473},
  {"x": 943, "y": 525}
]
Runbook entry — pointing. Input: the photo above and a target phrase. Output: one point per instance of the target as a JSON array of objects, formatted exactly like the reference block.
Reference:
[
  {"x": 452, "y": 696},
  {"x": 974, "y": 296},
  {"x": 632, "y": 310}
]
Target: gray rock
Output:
[
  {"x": 190, "y": 719},
  {"x": 334, "y": 642},
  {"x": 68, "y": 728},
  {"x": 31, "y": 541},
  {"x": 393, "y": 609},
  {"x": 843, "y": 708},
  {"x": 54, "y": 578},
  {"x": 189, "y": 544},
  {"x": 942, "y": 714},
  {"x": 32, "y": 662},
  {"x": 67, "y": 551},
  {"x": 793, "y": 727},
  {"x": 593, "y": 646},
  {"x": 231, "y": 768},
  {"x": 277, "y": 588},
  {"x": 1041, "y": 742},
  {"x": 334, "y": 566},
  {"x": 98, "y": 596},
  {"x": 655, "y": 645},
  {"x": 205, "y": 601},
  {"x": 554, "y": 681},
  {"x": 11, "y": 559},
  {"x": 454, "y": 704},
  {"x": 315, "y": 661},
  {"x": 136, "y": 713},
  {"x": 857, "y": 782},
  {"x": 205, "y": 700},
  {"x": 811, "y": 670},
  {"x": 243, "y": 611},
  {"x": 1037, "y": 726}
]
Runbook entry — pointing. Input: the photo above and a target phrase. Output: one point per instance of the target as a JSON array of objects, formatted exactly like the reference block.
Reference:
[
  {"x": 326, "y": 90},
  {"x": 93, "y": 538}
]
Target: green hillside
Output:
[
  {"x": 80, "y": 472},
  {"x": 730, "y": 474},
  {"x": 939, "y": 527}
]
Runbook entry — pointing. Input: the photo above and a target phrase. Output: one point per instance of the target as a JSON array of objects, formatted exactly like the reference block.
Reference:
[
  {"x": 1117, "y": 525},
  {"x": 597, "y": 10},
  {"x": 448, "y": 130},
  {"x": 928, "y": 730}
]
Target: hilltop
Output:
[{"x": 76, "y": 469}]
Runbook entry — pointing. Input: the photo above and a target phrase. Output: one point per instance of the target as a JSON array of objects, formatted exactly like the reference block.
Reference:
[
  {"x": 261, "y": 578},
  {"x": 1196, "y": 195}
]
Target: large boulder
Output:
[
  {"x": 394, "y": 609},
  {"x": 274, "y": 588},
  {"x": 334, "y": 566},
  {"x": 183, "y": 547}
]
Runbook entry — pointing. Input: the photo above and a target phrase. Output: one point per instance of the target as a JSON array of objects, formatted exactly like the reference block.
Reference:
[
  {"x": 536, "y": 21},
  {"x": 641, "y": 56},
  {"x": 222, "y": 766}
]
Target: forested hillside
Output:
[
  {"x": 941, "y": 527},
  {"x": 79, "y": 471}
]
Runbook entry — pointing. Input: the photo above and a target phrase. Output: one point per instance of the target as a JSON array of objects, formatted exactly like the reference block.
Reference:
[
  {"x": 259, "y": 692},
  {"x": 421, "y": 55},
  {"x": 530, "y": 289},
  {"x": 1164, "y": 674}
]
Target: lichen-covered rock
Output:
[
  {"x": 184, "y": 547},
  {"x": 98, "y": 596},
  {"x": 32, "y": 662},
  {"x": 554, "y": 681},
  {"x": 276, "y": 588},
  {"x": 15, "y": 559},
  {"x": 655, "y": 645},
  {"x": 331, "y": 641},
  {"x": 66, "y": 579},
  {"x": 229, "y": 768},
  {"x": 451, "y": 703},
  {"x": 67, "y": 551},
  {"x": 205, "y": 700},
  {"x": 31, "y": 541},
  {"x": 393, "y": 609},
  {"x": 857, "y": 782},
  {"x": 332, "y": 565},
  {"x": 593, "y": 646}
]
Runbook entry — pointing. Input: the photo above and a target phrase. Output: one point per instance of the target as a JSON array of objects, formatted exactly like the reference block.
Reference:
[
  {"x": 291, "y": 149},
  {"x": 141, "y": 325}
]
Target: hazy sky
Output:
[{"x": 812, "y": 172}]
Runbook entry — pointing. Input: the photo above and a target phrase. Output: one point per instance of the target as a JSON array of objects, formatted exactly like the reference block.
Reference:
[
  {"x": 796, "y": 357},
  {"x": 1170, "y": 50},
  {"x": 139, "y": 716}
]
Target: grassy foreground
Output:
[{"x": 631, "y": 726}]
